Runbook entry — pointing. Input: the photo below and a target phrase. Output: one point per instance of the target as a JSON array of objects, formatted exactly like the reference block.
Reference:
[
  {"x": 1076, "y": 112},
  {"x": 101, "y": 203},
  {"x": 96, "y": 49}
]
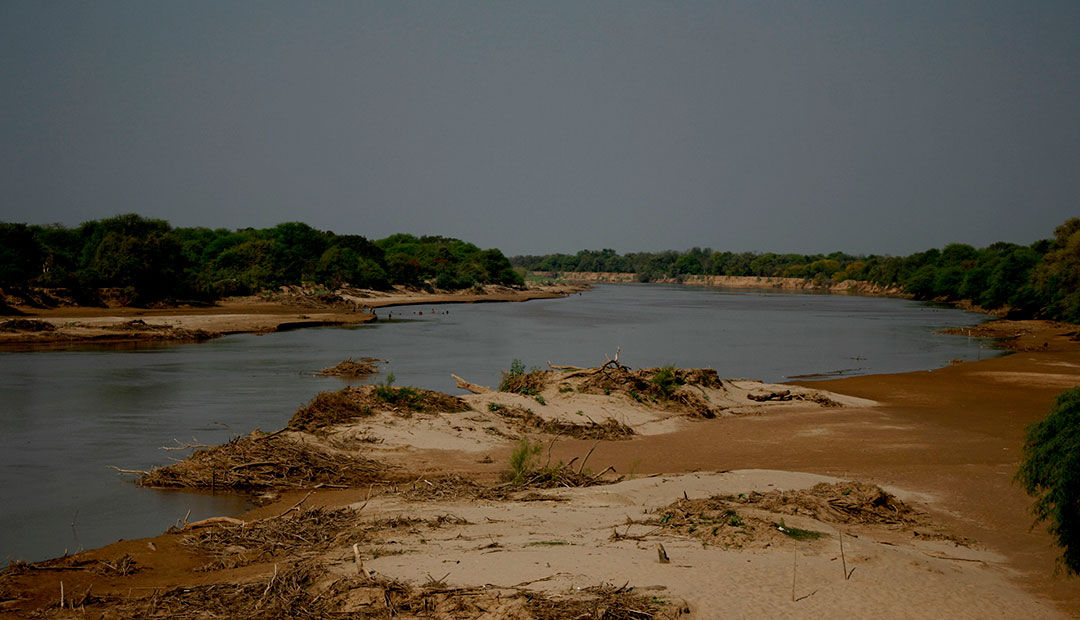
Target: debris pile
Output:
[
  {"x": 527, "y": 421},
  {"x": 352, "y": 368},
  {"x": 266, "y": 462},
  {"x": 330, "y": 408}
]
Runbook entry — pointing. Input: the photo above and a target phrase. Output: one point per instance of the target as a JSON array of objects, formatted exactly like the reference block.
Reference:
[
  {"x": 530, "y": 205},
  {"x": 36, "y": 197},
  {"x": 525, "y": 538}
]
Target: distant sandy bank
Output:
[
  {"x": 290, "y": 309},
  {"x": 733, "y": 282}
]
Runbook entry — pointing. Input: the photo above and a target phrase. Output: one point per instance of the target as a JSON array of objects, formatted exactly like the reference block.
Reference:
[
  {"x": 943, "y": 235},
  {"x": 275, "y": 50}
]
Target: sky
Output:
[{"x": 540, "y": 127}]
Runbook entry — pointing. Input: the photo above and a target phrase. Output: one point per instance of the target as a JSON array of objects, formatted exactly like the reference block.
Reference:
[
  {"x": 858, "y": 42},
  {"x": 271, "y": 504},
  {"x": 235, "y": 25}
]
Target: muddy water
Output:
[{"x": 65, "y": 416}]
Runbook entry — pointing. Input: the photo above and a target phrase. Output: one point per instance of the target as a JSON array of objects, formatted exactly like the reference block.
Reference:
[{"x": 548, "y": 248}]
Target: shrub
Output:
[
  {"x": 523, "y": 460},
  {"x": 516, "y": 380},
  {"x": 666, "y": 381},
  {"x": 1050, "y": 472},
  {"x": 400, "y": 397}
]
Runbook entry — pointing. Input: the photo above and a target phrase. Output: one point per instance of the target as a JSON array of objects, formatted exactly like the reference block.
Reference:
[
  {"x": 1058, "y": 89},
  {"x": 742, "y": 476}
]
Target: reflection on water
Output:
[{"x": 68, "y": 414}]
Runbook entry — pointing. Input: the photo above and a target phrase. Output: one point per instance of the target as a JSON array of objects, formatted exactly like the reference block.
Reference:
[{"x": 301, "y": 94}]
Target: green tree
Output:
[
  {"x": 1050, "y": 472},
  {"x": 21, "y": 255},
  {"x": 1057, "y": 278}
]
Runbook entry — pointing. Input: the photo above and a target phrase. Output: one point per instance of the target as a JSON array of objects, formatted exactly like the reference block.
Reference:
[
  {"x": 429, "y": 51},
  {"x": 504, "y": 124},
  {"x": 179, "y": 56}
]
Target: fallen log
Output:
[{"x": 471, "y": 387}]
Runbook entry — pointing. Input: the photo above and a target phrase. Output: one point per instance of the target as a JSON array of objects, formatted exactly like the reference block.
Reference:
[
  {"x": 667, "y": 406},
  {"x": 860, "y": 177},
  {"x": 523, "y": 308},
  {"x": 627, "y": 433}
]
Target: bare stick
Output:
[
  {"x": 184, "y": 446},
  {"x": 660, "y": 551},
  {"x": 550, "y": 444},
  {"x": 270, "y": 583},
  {"x": 794, "y": 569},
  {"x": 581, "y": 468},
  {"x": 61, "y": 595},
  {"x": 842, "y": 558},
  {"x": 137, "y": 472},
  {"x": 609, "y": 468},
  {"x": 356, "y": 556},
  {"x": 296, "y": 505}
]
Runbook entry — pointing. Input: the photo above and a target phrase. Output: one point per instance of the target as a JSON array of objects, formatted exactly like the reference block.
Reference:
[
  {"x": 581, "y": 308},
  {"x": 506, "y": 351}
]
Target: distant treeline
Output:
[
  {"x": 1040, "y": 280},
  {"x": 154, "y": 261}
]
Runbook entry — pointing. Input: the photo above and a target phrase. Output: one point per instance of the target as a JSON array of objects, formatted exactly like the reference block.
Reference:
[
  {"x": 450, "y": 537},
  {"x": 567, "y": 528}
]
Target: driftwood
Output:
[
  {"x": 212, "y": 521},
  {"x": 471, "y": 387},
  {"x": 577, "y": 371},
  {"x": 554, "y": 367}
]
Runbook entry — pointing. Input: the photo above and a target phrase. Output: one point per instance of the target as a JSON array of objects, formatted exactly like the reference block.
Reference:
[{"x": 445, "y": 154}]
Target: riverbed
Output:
[{"x": 70, "y": 414}]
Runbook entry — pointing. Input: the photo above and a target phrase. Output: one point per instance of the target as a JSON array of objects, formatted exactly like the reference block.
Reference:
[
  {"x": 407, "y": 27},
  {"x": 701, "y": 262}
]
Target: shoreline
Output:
[
  {"x": 947, "y": 438},
  {"x": 82, "y": 326}
]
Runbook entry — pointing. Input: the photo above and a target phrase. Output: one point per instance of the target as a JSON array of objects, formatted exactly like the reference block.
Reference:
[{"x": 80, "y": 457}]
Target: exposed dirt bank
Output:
[{"x": 736, "y": 282}]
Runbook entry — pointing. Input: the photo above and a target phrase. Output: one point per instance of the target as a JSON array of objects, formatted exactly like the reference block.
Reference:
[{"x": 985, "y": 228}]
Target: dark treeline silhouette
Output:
[
  {"x": 1039, "y": 280},
  {"x": 152, "y": 261}
]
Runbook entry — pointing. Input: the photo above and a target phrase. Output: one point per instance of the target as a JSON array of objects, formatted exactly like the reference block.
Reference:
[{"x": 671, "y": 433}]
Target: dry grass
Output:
[
  {"x": 529, "y": 384},
  {"x": 526, "y": 420},
  {"x": 842, "y": 502},
  {"x": 351, "y": 368},
  {"x": 254, "y": 463},
  {"x": 303, "y": 591},
  {"x": 673, "y": 388},
  {"x": 331, "y": 408},
  {"x": 26, "y": 325},
  {"x": 756, "y": 519},
  {"x": 233, "y": 545}
]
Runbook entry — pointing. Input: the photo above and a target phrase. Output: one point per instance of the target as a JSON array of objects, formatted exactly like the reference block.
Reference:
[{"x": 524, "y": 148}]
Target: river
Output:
[{"x": 65, "y": 416}]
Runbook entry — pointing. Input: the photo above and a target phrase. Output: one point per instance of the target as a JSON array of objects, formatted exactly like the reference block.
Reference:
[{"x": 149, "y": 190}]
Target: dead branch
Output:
[
  {"x": 184, "y": 446},
  {"x": 137, "y": 472},
  {"x": 294, "y": 506},
  {"x": 581, "y": 467},
  {"x": 606, "y": 470},
  {"x": 471, "y": 387},
  {"x": 554, "y": 367},
  {"x": 213, "y": 521}
]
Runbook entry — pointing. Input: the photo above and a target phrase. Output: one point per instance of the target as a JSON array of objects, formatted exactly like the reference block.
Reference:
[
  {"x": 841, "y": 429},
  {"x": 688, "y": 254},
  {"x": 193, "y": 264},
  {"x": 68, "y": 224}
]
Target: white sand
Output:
[{"x": 565, "y": 545}]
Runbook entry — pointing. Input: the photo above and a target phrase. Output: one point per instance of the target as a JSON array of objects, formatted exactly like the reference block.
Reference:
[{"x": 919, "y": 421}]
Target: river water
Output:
[{"x": 65, "y": 416}]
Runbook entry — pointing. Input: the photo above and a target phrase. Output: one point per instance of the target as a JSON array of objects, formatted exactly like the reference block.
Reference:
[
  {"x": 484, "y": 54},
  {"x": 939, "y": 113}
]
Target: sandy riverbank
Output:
[
  {"x": 853, "y": 287},
  {"x": 292, "y": 309},
  {"x": 944, "y": 442}
]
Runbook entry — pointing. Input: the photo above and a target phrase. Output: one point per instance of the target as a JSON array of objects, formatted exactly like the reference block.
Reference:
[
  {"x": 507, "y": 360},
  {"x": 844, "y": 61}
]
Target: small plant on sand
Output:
[
  {"x": 666, "y": 381},
  {"x": 733, "y": 518},
  {"x": 518, "y": 381},
  {"x": 399, "y": 397},
  {"x": 523, "y": 460},
  {"x": 798, "y": 533}
]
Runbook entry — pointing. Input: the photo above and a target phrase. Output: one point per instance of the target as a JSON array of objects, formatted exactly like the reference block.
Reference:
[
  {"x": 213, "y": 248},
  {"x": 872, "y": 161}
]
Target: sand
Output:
[
  {"x": 291, "y": 309},
  {"x": 946, "y": 442}
]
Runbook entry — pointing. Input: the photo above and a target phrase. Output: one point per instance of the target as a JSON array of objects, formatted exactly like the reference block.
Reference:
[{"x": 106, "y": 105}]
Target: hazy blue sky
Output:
[{"x": 537, "y": 127}]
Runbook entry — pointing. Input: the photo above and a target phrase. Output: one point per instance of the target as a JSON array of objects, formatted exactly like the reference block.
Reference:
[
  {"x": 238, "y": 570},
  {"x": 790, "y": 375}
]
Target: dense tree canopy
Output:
[
  {"x": 153, "y": 261},
  {"x": 1041, "y": 280}
]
